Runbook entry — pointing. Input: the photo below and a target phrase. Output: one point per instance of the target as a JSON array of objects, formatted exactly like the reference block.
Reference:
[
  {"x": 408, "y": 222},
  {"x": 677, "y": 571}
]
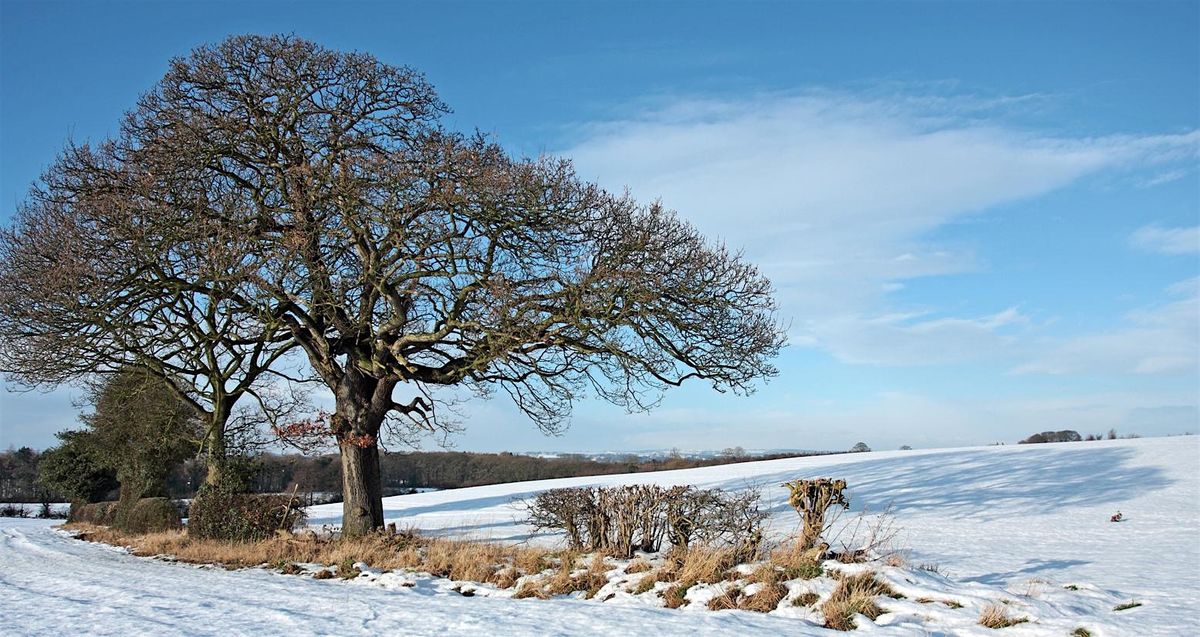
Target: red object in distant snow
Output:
[{"x": 1116, "y": 517}]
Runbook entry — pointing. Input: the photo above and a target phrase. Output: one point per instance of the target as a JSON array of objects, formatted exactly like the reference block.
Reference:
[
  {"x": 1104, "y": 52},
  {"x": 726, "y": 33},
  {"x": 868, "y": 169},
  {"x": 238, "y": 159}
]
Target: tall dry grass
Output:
[
  {"x": 702, "y": 564},
  {"x": 468, "y": 560}
]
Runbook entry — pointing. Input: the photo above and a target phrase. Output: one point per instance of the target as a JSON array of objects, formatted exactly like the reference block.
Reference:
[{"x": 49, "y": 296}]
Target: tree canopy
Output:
[{"x": 96, "y": 278}]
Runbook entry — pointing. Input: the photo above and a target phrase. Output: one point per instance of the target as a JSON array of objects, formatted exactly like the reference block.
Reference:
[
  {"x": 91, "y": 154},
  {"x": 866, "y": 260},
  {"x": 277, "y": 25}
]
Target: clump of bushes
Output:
[
  {"x": 619, "y": 520},
  {"x": 222, "y": 513},
  {"x": 1066, "y": 435}
]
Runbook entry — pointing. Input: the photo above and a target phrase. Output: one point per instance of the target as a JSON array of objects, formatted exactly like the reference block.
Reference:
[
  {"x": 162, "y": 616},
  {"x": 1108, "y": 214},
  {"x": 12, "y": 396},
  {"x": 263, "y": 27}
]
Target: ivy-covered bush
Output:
[
  {"x": 102, "y": 513},
  {"x": 151, "y": 515},
  {"x": 223, "y": 513}
]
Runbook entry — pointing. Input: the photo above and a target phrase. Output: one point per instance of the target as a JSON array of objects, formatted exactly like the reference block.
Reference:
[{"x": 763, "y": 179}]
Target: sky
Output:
[{"x": 982, "y": 219}]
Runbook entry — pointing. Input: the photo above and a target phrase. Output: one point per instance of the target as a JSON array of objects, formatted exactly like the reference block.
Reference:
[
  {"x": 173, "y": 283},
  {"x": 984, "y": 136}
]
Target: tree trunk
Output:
[
  {"x": 216, "y": 454},
  {"x": 362, "y": 403},
  {"x": 362, "y": 493}
]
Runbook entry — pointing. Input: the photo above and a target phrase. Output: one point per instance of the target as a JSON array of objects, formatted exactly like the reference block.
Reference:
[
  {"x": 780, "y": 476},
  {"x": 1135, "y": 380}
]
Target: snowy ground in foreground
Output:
[{"x": 1020, "y": 521}]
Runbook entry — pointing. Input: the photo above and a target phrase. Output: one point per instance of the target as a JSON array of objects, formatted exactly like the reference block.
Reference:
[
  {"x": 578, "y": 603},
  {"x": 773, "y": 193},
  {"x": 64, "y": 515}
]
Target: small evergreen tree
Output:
[
  {"x": 74, "y": 470},
  {"x": 141, "y": 430}
]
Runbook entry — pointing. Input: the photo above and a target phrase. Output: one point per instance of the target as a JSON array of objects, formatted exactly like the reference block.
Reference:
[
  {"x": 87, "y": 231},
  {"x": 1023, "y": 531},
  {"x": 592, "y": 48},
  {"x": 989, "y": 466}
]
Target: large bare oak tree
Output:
[{"x": 402, "y": 257}]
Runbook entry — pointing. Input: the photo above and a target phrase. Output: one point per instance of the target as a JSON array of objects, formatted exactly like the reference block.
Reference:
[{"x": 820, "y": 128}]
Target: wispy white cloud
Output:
[
  {"x": 1163, "y": 339},
  {"x": 832, "y": 188},
  {"x": 1155, "y": 238},
  {"x": 836, "y": 195},
  {"x": 1162, "y": 178},
  {"x": 900, "y": 339}
]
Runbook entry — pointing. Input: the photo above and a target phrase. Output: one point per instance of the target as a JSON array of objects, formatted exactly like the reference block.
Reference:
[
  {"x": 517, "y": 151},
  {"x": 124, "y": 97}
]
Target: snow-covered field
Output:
[{"x": 1026, "y": 524}]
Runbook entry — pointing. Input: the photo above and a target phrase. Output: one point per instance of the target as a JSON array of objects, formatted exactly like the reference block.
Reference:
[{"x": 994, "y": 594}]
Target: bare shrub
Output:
[
  {"x": 812, "y": 500},
  {"x": 867, "y": 537},
  {"x": 633, "y": 517},
  {"x": 567, "y": 510},
  {"x": 619, "y": 520},
  {"x": 13, "y": 511}
]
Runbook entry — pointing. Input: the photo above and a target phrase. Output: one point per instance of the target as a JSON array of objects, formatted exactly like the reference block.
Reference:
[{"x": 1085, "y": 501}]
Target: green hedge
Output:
[
  {"x": 147, "y": 515},
  {"x": 150, "y": 515}
]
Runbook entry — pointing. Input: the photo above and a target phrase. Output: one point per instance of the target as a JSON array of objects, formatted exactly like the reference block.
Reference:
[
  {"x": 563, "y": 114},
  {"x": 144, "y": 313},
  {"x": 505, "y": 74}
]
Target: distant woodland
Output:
[{"x": 401, "y": 472}]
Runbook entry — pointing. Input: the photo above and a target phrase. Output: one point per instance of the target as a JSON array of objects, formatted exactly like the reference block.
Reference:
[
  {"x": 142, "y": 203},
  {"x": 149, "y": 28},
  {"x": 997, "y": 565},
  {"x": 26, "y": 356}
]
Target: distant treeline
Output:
[{"x": 401, "y": 472}]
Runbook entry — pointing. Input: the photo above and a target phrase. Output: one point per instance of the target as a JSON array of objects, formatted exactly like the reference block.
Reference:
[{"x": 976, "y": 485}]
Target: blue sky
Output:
[{"x": 982, "y": 218}]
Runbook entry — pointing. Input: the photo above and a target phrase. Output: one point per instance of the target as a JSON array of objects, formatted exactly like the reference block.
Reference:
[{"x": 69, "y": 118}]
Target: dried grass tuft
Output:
[
  {"x": 675, "y": 596},
  {"x": 853, "y": 595},
  {"x": 727, "y": 600},
  {"x": 797, "y": 563},
  {"x": 640, "y": 565},
  {"x": 806, "y": 599},
  {"x": 996, "y": 616},
  {"x": 765, "y": 600}
]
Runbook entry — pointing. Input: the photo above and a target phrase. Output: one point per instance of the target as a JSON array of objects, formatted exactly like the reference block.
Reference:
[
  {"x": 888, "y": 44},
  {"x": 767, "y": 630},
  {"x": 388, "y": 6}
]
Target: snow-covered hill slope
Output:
[
  {"x": 1031, "y": 520},
  {"x": 1005, "y": 516}
]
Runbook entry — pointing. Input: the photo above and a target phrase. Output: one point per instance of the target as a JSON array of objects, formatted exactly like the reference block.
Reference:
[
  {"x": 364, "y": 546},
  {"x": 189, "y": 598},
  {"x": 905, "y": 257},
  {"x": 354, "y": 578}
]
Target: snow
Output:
[{"x": 1028, "y": 525}]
